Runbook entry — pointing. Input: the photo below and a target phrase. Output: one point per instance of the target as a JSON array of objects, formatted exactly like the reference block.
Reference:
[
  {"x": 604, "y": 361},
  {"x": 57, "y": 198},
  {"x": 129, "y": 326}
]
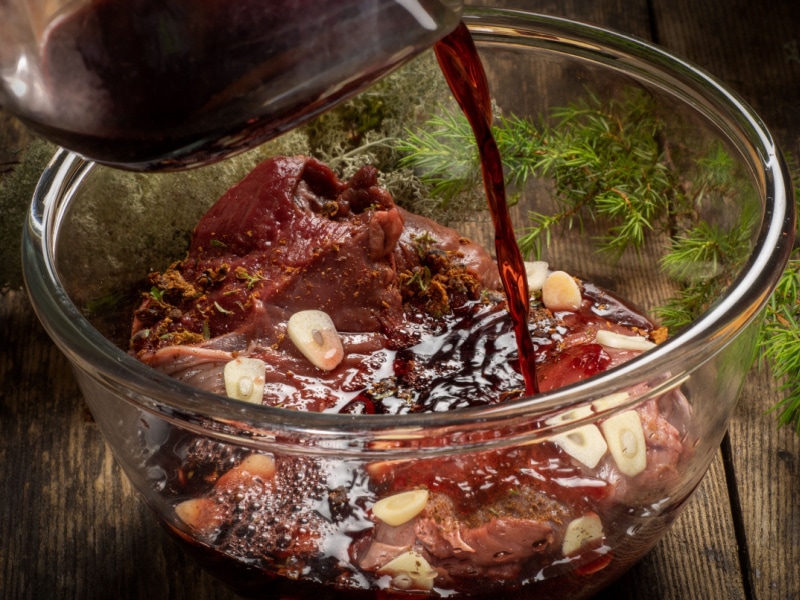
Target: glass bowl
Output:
[{"x": 298, "y": 488}]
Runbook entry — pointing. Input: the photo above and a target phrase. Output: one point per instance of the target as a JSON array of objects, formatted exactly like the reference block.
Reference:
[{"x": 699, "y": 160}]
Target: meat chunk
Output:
[
  {"x": 494, "y": 540},
  {"x": 291, "y": 236}
]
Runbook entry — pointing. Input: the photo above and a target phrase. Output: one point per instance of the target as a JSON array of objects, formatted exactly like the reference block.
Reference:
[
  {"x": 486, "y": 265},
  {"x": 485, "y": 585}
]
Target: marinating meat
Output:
[
  {"x": 293, "y": 237},
  {"x": 310, "y": 293}
]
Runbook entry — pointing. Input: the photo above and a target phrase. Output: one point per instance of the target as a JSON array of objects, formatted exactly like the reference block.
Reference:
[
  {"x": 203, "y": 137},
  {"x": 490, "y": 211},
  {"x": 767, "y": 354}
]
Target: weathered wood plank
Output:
[
  {"x": 753, "y": 48},
  {"x": 767, "y": 465},
  {"x": 697, "y": 558},
  {"x": 71, "y": 525},
  {"x": 629, "y": 17}
]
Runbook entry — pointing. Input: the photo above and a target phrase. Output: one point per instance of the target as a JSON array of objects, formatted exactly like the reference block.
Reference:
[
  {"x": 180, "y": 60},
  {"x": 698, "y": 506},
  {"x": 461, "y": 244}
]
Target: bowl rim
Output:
[{"x": 205, "y": 412}]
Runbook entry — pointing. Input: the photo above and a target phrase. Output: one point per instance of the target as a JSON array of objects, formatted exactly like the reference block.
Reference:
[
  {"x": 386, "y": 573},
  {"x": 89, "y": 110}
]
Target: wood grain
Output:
[
  {"x": 71, "y": 525},
  {"x": 752, "y": 47}
]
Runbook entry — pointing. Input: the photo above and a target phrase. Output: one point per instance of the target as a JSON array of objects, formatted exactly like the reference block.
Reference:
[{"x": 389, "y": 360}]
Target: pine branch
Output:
[
  {"x": 611, "y": 162},
  {"x": 605, "y": 161},
  {"x": 445, "y": 154}
]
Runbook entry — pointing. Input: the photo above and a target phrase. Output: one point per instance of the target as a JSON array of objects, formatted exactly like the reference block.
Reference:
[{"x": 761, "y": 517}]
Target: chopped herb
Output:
[
  {"x": 423, "y": 243},
  {"x": 224, "y": 311},
  {"x": 250, "y": 278},
  {"x": 420, "y": 278}
]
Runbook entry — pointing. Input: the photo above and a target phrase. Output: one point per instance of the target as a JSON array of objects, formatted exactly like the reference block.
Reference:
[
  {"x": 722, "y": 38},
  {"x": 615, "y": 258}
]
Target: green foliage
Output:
[
  {"x": 612, "y": 161},
  {"x": 701, "y": 258},
  {"x": 604, "y": 159},
  {"x": 608, "y": 161},
  {"x": 780, "y": 341},
  {"x": 445, "y": 154},
  {"x": 371, "y": 129},
  {"x": 780, "y": 335},
  {"x": 17, "y": 183}
]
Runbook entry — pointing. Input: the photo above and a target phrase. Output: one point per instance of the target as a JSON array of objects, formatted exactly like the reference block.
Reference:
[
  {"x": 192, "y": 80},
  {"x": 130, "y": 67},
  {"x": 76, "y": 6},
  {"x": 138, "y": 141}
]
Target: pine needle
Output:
[{"x": 611, "y": 161}]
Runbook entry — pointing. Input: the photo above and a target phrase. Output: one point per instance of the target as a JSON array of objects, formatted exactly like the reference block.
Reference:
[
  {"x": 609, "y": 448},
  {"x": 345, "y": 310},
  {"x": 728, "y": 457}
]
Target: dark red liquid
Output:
[
  {"x": 464, "y": 72},
  {"x": 160, "y": 84}
]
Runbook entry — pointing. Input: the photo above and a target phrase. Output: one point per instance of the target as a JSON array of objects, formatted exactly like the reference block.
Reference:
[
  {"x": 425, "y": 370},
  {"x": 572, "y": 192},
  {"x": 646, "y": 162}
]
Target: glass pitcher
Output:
[{"x": 170, "y": 84}]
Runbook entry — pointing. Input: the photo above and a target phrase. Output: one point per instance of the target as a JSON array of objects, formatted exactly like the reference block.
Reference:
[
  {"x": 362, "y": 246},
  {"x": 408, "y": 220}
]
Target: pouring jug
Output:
[{"x": 170, "y": 84}]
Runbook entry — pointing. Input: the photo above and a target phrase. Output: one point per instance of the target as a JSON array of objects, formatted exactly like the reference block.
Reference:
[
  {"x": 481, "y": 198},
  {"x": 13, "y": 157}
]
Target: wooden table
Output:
[{"x": 71, "y": 526}]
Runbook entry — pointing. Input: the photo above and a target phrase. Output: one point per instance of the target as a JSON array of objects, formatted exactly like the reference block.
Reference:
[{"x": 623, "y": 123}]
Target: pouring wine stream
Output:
[{"x": 462, "y": 68}]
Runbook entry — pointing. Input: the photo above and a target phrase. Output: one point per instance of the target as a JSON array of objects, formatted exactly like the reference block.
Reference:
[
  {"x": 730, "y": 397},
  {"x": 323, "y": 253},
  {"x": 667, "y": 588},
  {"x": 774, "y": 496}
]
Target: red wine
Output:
[
  {"x": 464, "y": 72},
  {"x": 166, "y": 84}
]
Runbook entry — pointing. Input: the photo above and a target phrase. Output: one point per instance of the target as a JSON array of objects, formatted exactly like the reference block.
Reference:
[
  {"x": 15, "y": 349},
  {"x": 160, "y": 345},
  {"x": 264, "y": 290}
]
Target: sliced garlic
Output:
[
  {"x": 610, "y": 401},
  {"x": 259, "y": 465},
  {"x": 625, "y": 438},
  {"x": 400, "y": 508},
  {"x": 620, "y": 341},
  {"x": 402, "y": 581},
  {"x": 315, "y": 335},
  {"x": 536, "y": 273},
  {"x": 582, "y": 531},
  {"x": 570, "y": 415},
  {"x": 410, "y": 570},
  {"x": 254, "y": 466},
  {"x": 585, "y": 444},
  {"x": 561, "y": 292},
  {"x": 383, "y": 470},
  {"x": 244, "y": 379},
  {"x": 199, "y": 514},
  {"x": 191, "y": 511}
]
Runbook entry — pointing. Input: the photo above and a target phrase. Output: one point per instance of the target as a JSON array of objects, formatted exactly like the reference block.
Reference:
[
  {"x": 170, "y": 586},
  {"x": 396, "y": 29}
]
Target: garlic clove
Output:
[
  {"x": 625, "y": 438},
  {"x": 402, "y": 581},
  {"x": 610, "y": 401},
  {"x": 400, "y": 508},
  {"x": 383, "y": 470},
  {"x": 570, "y": 415},
  {"x": 561, "y": 292},
  {"x": 191, "y": 511},
  {"x": 582, "y": 531},
  {"x": 259, "y": 465},
  {"x": 536, "y": 273},
  {"x": 199, "y": 514},
  {"x": 244, "y": 379},
  {"x": 620, "y": 341},
  {"x": 315, "y": 335},
  {"x": 409, "y": 571},
  {"x": 585, "y": 444}
]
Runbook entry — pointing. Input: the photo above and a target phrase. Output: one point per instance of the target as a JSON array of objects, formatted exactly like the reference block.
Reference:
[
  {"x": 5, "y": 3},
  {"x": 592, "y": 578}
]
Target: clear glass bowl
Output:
[{"x": 94, "y": 233}]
